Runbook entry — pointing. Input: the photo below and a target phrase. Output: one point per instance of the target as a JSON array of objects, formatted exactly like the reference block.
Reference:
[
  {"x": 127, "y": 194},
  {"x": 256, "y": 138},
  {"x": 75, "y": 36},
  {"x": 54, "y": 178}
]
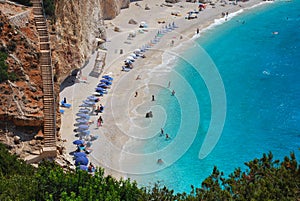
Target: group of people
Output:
[{"x": 162, "y": 133}]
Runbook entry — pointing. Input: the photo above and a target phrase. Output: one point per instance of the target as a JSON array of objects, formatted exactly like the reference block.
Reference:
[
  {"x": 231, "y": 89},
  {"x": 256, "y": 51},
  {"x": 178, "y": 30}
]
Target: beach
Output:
[{"x": 124, "y": 114}]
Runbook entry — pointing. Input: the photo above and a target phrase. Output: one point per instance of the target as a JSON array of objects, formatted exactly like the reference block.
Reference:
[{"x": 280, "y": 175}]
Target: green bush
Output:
[
  {"x": 49, "y": 8},
  {"x": 23, "y": 2},
  {"x": 4, "y": 75},
  {"x": 265, "y": 179}
]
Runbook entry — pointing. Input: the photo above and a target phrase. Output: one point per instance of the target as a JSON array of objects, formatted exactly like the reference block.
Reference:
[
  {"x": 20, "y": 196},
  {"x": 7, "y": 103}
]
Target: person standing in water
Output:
[{"x": 161, "y": 131}]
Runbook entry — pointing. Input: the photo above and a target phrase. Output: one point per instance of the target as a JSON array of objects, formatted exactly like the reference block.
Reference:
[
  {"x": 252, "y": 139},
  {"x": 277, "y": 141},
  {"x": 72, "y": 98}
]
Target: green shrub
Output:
[
  {"x": 49, "y": 8},
  {"x": 23, "y": 2}
]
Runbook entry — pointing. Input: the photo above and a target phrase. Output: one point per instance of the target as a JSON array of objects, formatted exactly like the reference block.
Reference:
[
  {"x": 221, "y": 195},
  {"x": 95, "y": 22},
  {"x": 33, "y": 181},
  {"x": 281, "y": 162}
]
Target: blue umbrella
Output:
[
  {"x": 82, "y": 161},
  {"x": 103, "y": 85},
  {"x": 83, "y": 127},
  {"x": 89, "y": 102},
  {"x": 101, "y": 90},
  {"x": 107, "y": 77},
  {"x": 82, "y": 115},
  {"x": 78, "y": 142},
  {"x": 93, "y": 98},
  {"x": 82, "y": 121},
  {"x": 85, "y": 132},
  {"x": 82, "y": 110},
  {"x": 106, "y": 81},
  {"x": 83, "y": 167},
  {"x": 79, "y": 154}
]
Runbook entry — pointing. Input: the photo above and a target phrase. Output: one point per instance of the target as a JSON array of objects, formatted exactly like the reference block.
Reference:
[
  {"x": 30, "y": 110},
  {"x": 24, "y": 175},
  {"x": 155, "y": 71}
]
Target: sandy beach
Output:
[{"x": 124, "y": 114}]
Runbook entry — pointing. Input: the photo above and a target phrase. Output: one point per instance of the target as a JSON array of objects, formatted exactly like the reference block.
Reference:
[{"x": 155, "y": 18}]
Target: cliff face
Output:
[
  {"x": 78, "y": 24},
  {"x": 73, "y": 39},
  {"x": 21, "y": 99}
]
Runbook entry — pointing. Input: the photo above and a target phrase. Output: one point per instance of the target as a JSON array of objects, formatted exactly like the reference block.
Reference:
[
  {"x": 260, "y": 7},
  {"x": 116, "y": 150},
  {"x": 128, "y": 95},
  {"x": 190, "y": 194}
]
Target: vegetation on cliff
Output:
[
  {"x": 266, "y": 179},
  {"x": 23, "y": 2}
]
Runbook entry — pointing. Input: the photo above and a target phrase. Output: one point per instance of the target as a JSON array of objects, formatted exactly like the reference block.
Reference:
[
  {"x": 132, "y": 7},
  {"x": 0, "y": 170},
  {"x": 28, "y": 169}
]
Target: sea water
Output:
[{"x": 237, "y": 96}]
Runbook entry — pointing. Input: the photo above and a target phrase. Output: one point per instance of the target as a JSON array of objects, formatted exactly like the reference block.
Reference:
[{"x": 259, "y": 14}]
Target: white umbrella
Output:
[
  {"x": 133, "y": 55},
  {"x": 137, "y": 51},
  {"x": 130, "y": 58}
]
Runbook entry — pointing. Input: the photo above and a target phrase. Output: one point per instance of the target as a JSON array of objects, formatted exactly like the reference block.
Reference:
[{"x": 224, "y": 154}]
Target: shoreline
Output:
[{"x": 113, "y": 136}]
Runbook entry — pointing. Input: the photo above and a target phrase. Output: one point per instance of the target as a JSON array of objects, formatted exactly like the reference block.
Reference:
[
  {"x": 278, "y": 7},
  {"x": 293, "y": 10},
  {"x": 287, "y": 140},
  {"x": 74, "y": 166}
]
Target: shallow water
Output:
[{"x": 237, "y": 97}]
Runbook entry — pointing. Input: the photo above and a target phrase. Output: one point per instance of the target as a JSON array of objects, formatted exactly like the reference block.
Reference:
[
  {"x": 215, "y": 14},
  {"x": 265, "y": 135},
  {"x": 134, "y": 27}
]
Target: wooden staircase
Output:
[{"x": 49, "y": 149}]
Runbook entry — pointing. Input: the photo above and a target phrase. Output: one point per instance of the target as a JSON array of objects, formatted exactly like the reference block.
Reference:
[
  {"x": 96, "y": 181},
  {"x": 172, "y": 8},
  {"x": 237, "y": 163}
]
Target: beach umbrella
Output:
[
  {"x": 137, "y": 51},
  {"x": 89, "y": 102},
  {"x": 85, "y": 105},
  {"x": 106, "y": 81},
  {"x": 98, "y": 93},
  {"x": 133, "y": 55},
  {"x": 82, "y": 161},
  {"x": 100, "y": 89},
  {"x": 86, "y": 116},
  {"x": 79, "y": 154},
  {"x": 86, "y": 110},
  {"x": 128, "y": 61},
  {"x": 130, "y": 58},
  {"x": 107, "y": 77},
  {"x": 78, "y": 142},
  {"x": 85, "y": 132},
  {"x": 83, "y": 167},
  {"x": 84, "y": 127},
  {"x": 93, "y": 98},
  {"x": 82, "y": 120},
  {"x": 103, "y": 85}
]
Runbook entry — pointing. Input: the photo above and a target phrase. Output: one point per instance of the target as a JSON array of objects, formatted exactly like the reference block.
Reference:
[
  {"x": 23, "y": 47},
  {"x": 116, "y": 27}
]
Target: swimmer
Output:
[
  {"x": 161, "y": 131},
  {"x": 167, "y": 136},
  {"x": 160, "y": 161}
]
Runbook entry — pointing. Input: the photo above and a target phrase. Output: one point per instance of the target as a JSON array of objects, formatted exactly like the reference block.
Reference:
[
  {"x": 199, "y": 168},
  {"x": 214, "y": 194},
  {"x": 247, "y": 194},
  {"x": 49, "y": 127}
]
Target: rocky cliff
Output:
[
  {"x": 21, "y": 99},
  {"x": 78, "y": 25}
]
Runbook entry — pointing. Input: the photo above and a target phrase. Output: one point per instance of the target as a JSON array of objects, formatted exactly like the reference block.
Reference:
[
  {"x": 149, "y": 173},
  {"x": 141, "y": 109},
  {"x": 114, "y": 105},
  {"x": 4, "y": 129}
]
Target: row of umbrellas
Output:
[
  {"x": 138, "y": 52},
  {"x": 80, "y": 157}
]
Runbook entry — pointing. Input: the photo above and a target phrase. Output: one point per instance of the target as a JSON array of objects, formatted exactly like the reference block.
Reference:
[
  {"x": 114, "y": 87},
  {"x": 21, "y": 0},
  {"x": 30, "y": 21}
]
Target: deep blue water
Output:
[{"x": 260, "y": 75}]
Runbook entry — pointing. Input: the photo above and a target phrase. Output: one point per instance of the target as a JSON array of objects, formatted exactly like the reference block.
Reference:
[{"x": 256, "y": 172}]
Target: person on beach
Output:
[
  {"x": 198, "y": 31},
  {"x": 169, "y": 84},
  {"x": 97, "y": 110},
  {"x": 136, "y": 94},
  {"x": 153, "y": 99},
  {"x": 94, "y": 108},
  {"x": 65, "y": 100},
  {"x": 172, "y": 43},
  {"x": 173, "y": 93},
  {"x": 101, "y": 108},
  {"x": 138, "y": 77},
  {"x": 100, "y": 121}
]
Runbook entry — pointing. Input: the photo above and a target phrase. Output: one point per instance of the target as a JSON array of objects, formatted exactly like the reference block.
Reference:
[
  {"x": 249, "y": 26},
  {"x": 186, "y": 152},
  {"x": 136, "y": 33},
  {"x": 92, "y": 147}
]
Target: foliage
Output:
[
  {"x": 266, "y": 179},
  {"x": 23, "y": 2},
  {"x": 4, "y": 75},
  {"x": 49, "y": 8}
]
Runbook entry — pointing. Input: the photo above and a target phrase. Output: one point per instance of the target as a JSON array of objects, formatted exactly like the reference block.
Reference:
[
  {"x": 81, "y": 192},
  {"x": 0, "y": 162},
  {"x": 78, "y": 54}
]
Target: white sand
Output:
[{"x": 124, "y": 114}]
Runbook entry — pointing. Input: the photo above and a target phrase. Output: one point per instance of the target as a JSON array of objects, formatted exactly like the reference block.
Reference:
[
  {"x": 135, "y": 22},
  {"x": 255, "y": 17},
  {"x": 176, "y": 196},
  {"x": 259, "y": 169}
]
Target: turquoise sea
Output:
[{"x": 243, "y": 76}]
